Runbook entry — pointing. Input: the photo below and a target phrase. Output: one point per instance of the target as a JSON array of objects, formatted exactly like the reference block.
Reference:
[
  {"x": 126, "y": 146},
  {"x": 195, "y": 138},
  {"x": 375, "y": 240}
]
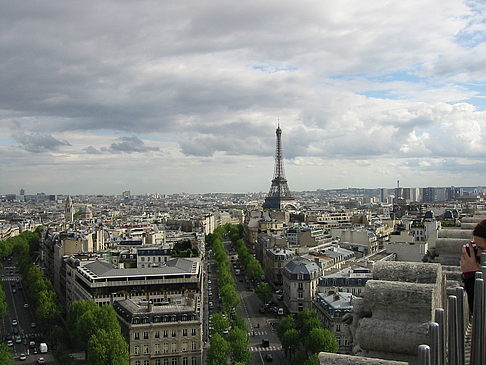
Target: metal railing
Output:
[{"x": 447, "y": 333}]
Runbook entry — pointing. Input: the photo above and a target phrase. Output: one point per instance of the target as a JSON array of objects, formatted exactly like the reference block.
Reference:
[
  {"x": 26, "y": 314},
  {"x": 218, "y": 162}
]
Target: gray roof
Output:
[
  {"x": 100, "y": 268},
  {"x": 301, "y": 265}
]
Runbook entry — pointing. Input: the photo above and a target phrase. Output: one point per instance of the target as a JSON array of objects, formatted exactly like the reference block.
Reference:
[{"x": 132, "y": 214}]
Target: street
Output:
[{"x": 18, "y": 326}]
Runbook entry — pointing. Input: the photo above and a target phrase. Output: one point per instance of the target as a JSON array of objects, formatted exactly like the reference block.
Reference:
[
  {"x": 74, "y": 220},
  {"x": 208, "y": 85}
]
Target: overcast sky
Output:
[{"x": 184, "y": 96}]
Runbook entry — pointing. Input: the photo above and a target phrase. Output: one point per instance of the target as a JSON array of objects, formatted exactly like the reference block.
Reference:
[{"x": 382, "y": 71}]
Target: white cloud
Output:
[{"x": 198, "y": 83}]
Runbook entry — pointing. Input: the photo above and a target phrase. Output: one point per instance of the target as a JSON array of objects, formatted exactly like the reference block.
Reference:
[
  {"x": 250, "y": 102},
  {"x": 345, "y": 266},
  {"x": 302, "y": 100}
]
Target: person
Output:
[{"x": 470, "y": 261}]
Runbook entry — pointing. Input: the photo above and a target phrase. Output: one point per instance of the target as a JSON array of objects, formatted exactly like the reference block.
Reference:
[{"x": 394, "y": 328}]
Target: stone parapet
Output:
[
  {"x": 392, "y": 316},
  {"x": 326, "y": 358}
]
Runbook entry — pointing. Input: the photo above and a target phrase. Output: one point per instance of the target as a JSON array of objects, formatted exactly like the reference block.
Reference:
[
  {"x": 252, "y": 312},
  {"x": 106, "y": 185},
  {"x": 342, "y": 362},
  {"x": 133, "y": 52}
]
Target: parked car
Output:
[
  {"x": 22, "y": 357},
  {"x": 14, "y": 322},
  {"x": 268, "y": 357}
]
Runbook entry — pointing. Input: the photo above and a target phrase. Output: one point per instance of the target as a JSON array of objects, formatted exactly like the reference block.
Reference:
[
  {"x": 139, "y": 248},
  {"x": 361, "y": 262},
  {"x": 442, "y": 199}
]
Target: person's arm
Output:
[{"x": 469, "y": 266}]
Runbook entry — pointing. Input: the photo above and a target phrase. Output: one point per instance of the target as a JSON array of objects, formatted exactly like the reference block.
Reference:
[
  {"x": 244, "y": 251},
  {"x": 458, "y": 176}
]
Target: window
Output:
[
  {"x": 136, "y": 336},
  {"x": 157, "y": 334},
  {"x": 145, "y": 336},
  {"x": 166, "y": 361},
  {"x": 146, "y": 362},
  {"x": 137, "y": 362},
  {"x": 173, "y": 347},
  {"x": 300, "y": 295},
  {"x": 157, "y": 362},
  {"x": 157, "y": 348},
  {"x": 166, "y": 348},
  {"x": 145, "y": 349},
  {"x": 194, "y": 345},
  {"x": 184, "y": 347},
  {"x": 184, "y": 332},
  {"x": 193, "y": 361},
  {"x": 338, "y": 328},
  {"x": 166, "y": 333},
  {"x": 193, "y": 332},
  {"x": 301, "y": 307},
  {"x": 142, "y": 258},
  {"x": 185, "y": 361},
  {"x": 301, "y": 286},
  {"x": 136, "y": 350},
  {"x": 174, "y": 334},
  {"x": 174, "y": 361}
]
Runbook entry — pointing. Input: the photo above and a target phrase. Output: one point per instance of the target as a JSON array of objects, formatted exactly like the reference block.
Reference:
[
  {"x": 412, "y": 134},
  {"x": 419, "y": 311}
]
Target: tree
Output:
[
  {"x": 238, "y": 340},
  {"x": 321, "y": 339},
  {"x": 312, "y": 360},
  {"x": 290, "y": 341},
  {"x": 218, "y": 350},
  {"x": 219, "y": 323},
  {"x": 254, "y": 269},
  {"x": 107, "y": 348},
  {"x": 6, "y": 357},
  {"x": 264, "y": 292},
  {"x": 47, "y": 307},
  {"x": 285, "y": 324}
]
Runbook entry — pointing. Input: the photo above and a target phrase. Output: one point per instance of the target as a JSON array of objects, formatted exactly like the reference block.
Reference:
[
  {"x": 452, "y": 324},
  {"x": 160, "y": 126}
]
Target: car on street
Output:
[
  {"x": 33, "y": 325},
  {"x": 22, "y": 357},
  {"x": 14, "y": 322},
  {"x": 26, "y": 305},
  {"x": 10, "y": 343},
  {"x": 268, "y": 357},
  {"x": 41, "y": 360},
  {"x": 18, "y": 339}
]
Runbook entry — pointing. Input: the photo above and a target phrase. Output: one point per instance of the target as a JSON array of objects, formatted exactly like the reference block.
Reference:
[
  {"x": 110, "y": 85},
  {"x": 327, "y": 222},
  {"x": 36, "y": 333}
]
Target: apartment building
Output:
[
  {"x": 100, "y": 281},
  {"x": 162, "y": 333},
  {"x": 300, "y": 278},
  {"x": 330, "y": 310}
]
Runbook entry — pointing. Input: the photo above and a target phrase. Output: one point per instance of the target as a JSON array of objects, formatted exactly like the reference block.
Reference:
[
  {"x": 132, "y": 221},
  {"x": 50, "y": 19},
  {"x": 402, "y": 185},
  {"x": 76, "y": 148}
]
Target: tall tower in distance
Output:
[
  {"x": 69, "y": 210},
  {"x": 279, "y": 195}
]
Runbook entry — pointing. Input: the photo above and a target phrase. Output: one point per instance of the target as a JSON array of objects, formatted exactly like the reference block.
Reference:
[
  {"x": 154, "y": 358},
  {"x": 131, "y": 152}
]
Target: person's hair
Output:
[{"x": 480, "y": 229}]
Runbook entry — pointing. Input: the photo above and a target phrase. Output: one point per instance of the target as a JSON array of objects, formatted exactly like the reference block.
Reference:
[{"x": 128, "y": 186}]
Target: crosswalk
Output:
[
  {"x": 10, "y": 278},
  {"x": 257, "y": 333},
  {"x": 268, "y": 348}
]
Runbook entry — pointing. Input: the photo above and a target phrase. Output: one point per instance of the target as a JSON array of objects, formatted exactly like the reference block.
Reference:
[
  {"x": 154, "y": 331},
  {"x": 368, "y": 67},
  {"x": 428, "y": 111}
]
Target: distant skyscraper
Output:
[
  {"x": 22, "y": 192},
  {"x": 69, "y": 210},
  {"x": 279, "y": 195}
]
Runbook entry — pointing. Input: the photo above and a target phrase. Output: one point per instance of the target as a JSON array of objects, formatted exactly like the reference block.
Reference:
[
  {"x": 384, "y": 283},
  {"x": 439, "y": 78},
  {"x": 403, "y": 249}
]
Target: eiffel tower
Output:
[{"x": 279, "y": 195}]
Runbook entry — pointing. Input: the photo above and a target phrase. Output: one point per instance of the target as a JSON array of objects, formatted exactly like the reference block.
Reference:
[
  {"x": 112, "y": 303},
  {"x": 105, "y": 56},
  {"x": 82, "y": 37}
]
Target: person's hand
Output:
[{"x": 469, "y": 263}]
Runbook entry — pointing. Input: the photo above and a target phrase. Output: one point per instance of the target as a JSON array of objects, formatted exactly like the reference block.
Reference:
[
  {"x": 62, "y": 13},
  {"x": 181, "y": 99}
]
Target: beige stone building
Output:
[
  {"x": 300, "y": 277},
  {"x": 162, "y": 333}
]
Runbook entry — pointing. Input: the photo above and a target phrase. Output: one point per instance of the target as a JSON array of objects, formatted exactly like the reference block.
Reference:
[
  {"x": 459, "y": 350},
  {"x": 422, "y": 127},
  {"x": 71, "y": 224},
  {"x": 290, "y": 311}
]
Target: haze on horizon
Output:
[{"x": 166, "y": 97}]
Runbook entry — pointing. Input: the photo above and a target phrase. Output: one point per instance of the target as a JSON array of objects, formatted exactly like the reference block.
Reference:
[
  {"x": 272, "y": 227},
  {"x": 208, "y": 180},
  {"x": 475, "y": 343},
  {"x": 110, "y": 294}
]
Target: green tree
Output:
[
  {"x": 219, "y": 323},
  {"x": 6, "y": 357},
  {"x": 264, "y": 292},
  {"x": 254, "y": 269},
  {"x": 229, "y": 296},
  {"x": 290, "y": 341},
  {"x": 312, "y": 360},
  {"x": 218, "y": 350},
  {"x": 107, "y": 348},
  {"x": 47, "y": 307},
  {"x": 238, "y": 340},
  {"x": 321, "y": 339},
  {"x": 285, "y": 324}
]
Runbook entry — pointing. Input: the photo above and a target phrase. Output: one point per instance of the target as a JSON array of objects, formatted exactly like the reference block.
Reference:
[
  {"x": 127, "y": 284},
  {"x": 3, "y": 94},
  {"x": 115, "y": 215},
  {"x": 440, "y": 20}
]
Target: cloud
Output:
[
  {"x": 349, "y": 80},
  {"x": 91, "y": 150},
  {"x": 128, "y": 145},
  {"x": 39, "y": 142}
]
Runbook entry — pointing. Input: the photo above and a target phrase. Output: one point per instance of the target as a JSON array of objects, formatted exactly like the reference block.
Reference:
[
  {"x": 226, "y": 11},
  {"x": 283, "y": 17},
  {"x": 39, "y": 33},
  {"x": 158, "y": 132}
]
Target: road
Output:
[
  {"x": 19, "y": 310},
  {"x": 260, "y": 325}
]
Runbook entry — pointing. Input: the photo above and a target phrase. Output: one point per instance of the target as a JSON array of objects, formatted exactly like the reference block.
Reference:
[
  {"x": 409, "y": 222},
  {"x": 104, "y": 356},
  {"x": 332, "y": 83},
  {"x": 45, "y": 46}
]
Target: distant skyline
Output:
[{"x": 168, "y": 97}]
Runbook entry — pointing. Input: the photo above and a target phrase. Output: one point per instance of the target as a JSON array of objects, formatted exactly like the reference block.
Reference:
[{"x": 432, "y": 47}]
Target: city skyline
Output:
[{"x": 154, "y": 98}]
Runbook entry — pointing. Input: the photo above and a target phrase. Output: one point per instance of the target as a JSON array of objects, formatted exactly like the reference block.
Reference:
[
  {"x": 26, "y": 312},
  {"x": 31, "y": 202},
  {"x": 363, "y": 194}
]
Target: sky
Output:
[{"x": 98, "y": 97}]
